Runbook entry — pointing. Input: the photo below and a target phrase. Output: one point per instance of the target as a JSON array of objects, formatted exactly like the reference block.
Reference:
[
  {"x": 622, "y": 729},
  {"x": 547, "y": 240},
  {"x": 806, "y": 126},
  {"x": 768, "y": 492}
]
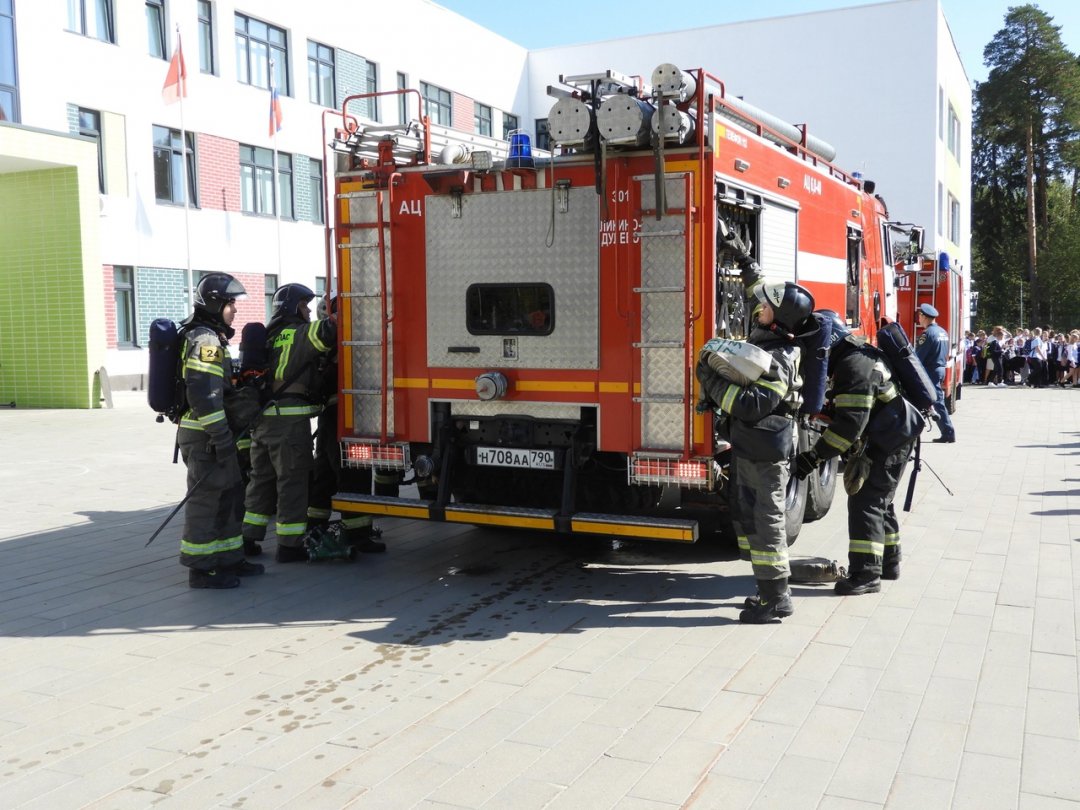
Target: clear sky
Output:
[{"x": 548, "y": 23}]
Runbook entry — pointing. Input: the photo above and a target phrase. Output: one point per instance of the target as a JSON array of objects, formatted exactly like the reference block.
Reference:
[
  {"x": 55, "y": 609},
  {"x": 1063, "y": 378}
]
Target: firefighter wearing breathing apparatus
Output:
[
  {"x": 211, "y": 546},
  {"x": 874, "y": 427},
  {"x": 761, "y": 424},
  {"x": 281, "y": 458}
]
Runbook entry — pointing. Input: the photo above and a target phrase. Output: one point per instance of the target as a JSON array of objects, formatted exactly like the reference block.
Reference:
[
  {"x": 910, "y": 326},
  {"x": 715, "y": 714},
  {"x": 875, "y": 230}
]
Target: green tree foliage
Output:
[{"x": 1024, "y": 159}]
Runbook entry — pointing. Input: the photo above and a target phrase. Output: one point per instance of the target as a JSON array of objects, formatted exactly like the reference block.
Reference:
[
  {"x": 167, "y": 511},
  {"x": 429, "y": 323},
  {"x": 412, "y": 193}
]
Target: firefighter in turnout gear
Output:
[
  {"x": 875, "y": 428},
  {"x": 281, "y": 459},
  {"x": 329, "y": 476},
  {"x": 761, "y": 417},
  {"x": 211, "y": 545}
]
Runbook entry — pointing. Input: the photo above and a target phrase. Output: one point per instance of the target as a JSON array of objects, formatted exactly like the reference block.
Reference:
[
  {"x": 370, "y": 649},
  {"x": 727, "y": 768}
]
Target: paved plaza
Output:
[{"x": 470, "y": 668}]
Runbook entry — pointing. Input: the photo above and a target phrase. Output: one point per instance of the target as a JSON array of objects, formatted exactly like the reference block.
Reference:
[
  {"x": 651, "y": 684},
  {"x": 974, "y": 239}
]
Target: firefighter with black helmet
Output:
[
  {"x": 762, "y": 428},
  {"x": 874, "y": 427},
  {"x": 211, "y": 545},
  {"x": 281, "y": 457},
  {"x": 329, "y": 476}
]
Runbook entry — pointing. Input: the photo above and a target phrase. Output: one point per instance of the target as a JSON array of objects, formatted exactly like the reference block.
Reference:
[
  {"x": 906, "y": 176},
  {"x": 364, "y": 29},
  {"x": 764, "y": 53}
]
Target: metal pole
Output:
[
  {"x": 1021, "y": 303},
  {"x": 276, "y": 181},
  {"x": 187, "y": 195}
]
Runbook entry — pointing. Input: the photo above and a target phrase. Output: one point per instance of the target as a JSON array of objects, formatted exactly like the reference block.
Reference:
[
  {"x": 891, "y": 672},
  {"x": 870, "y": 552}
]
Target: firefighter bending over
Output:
[
  {"x": 762, "y": 432},
  {"x": 211, "y": 545},
  {"x": 329, "y": 476},
  {"x": 875, "y": 427},
  {"x": 281, "y": 459}
]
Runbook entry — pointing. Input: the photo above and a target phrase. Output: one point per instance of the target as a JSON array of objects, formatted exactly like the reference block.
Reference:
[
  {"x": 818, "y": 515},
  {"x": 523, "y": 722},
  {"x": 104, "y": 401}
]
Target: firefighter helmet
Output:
[
  {"x": 791, "y": 303},
  {"x": 838, "y": 329},
  {"x": 215, "y": 290},
  {"x": 288, "y": 298}
]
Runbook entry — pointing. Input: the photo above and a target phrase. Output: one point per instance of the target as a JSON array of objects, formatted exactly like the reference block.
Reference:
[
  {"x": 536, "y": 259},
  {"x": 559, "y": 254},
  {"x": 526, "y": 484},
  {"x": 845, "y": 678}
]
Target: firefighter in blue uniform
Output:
[
  {"x": 875, "y": 429},
  {"x": 211, "y": 546},
  {"x": 932, "y": 349},
  {"x": 281, "y": 450},
  {"x": 762, "y": 431}
]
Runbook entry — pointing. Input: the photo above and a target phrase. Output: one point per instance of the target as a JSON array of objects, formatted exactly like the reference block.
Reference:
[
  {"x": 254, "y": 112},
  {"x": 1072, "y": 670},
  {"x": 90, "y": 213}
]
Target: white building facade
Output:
[{"x": 882, "y": 83}]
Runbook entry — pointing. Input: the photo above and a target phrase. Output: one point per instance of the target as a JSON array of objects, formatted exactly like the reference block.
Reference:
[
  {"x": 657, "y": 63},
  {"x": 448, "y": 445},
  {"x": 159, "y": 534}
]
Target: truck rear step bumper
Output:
[{"x": 671, "y": 530}]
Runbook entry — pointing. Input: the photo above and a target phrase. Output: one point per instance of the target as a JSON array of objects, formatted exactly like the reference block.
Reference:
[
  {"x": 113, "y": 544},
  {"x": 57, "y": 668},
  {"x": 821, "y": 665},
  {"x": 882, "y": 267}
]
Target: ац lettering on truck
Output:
[{"x": 519, "y": 330}]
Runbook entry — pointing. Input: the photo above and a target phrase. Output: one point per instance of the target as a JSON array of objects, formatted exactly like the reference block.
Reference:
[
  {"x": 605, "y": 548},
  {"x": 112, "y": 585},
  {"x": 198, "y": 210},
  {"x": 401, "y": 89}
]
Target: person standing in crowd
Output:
[
  {"x": 995, "y": 358},
  {"x": 1037, "y": 359},
  {"x": 967, "y": 346},
  {"x": 211, "y": 546},
  {"x": 1072, "y": 358},
  {"x": 281, "y": 456},
  {"x": 762, "y": 431},
  {"x": 329, "y": 476},
  {"x": 932, "y": 349},
  {"x": 871, "y": 420}
]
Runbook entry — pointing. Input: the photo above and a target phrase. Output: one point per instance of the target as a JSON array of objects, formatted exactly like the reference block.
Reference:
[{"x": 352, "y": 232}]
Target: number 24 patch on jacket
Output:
[{"x": 210, "y": 354}]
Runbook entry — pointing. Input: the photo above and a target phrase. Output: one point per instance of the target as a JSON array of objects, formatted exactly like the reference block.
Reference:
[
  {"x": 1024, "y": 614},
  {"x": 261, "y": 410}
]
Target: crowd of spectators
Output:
[{"x": 1034, "y": 357}]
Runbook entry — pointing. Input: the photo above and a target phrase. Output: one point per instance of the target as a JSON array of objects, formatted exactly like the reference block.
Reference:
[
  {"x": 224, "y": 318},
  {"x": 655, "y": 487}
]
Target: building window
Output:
[
  {"x": 954, "y": 132},
  {"x": 256, "y": 180},
  {"x": 92, "y": 18},
  {"x": 543, "y": 134},
  {"x": 257, "y": 45},
  {"x": 940, "y": 113},
  {"x": 206, "y": 37},
  {"x": 269, "y": 285},
  {"x": 155, "y": 27},
  {"x": 954, "y": 220},
  {"x": 170, "y": 155},
  {"x": 510, "y": 123},
  {"x": 318, "y": 193},
  {"x": 940, "y": 209},
  {"x": 124, "y": 297},
  {"x": 437, "y": 104},
  {"x": 320, "y": 71},
  {"x": 9, "y": 85},
  {"x": 285, "y": 185},
  {"x": 90, "y": 127},
  {"x": 403, "y": 99},
  {"x": 481, "y": 119},
  {"x": 320, "y": 287}
]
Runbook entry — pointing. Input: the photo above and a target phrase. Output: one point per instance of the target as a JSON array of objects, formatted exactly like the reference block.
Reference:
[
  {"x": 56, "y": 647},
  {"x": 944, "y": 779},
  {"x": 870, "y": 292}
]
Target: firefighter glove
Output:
[{"x": 805, "y": 463}]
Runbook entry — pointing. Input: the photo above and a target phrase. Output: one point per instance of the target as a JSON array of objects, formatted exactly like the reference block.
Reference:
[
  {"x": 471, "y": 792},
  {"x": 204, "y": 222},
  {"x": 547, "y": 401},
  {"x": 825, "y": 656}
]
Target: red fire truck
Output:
[
  {"x": 928, "y": 278},
  {"x": 519, "y": 330}
]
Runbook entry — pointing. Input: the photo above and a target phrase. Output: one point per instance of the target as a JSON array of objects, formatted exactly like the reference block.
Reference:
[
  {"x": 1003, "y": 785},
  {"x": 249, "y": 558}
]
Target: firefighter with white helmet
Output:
[
  {"x": 210, "y": 546},
  {"x": 762, "y": 431},
  {"x": 281, "y": 458}
]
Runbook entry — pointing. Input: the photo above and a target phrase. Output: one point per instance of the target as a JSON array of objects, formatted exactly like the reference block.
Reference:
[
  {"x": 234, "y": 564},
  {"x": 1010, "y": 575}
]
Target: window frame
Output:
[
  {"x": 286, "y": 186},
  {"x": 207, "y": 60},
  {"x": 540, "y": 288},
  {"x": 370, "y": 84},
  {"x": 954, "y": 132},
  {"x": 11, "y": 90},
  {"x": 95, "y": 133},
  {"x": 318, "y": 191},
  {"x": 276, "y": 53},
  {"x": 954, "y": 219},
  {"x": 79, "y": 26},
  {"x": 403, "y": 98},
  {"x": 258, "y": 177},
  {"x": 127, "y": 289},
  {"x": 432, "y": 95},
  {"x": 270, "y": 284},
  {"x": 483, "y": 119},
  {"x": 510, "y": 123},
  {"x": 315, "y": 63},
  {"x": 157, "y": 30},
  {"x": 543, "y": 134},
  {"x": 187, "y": 150}
]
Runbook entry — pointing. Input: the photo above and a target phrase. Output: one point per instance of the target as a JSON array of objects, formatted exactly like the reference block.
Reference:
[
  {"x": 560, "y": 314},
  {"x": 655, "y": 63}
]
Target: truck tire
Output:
[
  {"x": 794, "y": 507},
  {"x": 820, "y": 490}
]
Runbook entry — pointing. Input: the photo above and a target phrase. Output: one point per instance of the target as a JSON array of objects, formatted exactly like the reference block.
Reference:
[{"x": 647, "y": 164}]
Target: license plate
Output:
[{"x": 511, "y": 457}]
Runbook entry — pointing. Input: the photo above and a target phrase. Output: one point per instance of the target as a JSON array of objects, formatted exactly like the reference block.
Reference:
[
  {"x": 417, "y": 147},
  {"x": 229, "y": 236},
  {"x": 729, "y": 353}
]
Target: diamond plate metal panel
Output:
[
  {"x": 663, "y": 316},
  {"x": 539, "y": 410},
  {"x": 662, "y": 372},
  {"x": 661, "y": 426},
  {"x": 663, "y": 258},
  {"x": 364, "y": 207},
  {"x": 501, "y": 237}
]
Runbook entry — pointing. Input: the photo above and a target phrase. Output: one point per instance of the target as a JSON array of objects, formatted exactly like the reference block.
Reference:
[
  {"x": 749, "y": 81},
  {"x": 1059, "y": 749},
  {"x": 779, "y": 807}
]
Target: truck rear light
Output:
[
  {"x": 695, "y": 473},
  {"x": 372, "y": 454}
]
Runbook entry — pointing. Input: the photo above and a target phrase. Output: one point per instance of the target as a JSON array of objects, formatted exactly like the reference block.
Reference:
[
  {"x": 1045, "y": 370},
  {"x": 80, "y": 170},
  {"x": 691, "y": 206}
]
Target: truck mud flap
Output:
[{"x": 662, "y": 529}]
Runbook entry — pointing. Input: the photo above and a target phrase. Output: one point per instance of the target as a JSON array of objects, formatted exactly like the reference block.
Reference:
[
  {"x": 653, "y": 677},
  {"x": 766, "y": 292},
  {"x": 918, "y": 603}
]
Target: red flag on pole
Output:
[
  {"x": 275, "y": 112},
  {"x": 175, "y": 86}
]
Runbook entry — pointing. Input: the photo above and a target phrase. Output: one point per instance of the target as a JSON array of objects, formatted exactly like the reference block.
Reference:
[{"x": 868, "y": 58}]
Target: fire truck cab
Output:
[{"x": 519, "y": 330}]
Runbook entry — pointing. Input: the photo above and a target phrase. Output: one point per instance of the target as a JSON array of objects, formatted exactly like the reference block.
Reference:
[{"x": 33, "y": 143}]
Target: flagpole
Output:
[
  {"x": 277, "y": 180},
  {"x": 187, "y": 191}
]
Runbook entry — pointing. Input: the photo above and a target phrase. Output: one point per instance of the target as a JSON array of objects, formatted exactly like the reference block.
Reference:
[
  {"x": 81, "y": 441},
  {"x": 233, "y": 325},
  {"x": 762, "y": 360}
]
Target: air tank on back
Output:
[{"x": 624, "y": 119}]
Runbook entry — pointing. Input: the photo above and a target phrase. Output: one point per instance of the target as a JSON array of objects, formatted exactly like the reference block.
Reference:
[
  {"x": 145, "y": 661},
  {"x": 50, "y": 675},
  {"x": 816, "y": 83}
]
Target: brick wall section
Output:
[
  {"x": 219, "y": 173},
  {"x": 350, "y": 71},
  {"x": 110, "y": 308},
  {"x": 302, "y": 188},
  {"x": 73, "y": 118},
  {"x": 464, "y": 112},
  {"x": 159, "y": 293}
]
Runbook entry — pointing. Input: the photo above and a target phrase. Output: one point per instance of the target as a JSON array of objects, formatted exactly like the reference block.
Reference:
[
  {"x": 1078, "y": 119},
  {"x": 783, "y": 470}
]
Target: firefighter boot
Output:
[
  {"x": 245, "y": 569},
  {"x": 216, "y": 579},
  {"x": 890, "y": 568},
  {"x": 773, "y": 604},
  {"x": 251, "y": 548},
  {"x": 363, "y": 538},
  {"x": 291, "y": 554},
  {"x": 858, "y": 583}
]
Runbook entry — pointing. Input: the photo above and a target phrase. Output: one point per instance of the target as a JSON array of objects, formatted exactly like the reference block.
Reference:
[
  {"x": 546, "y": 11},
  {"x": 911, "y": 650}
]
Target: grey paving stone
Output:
[
  {"x": 1048, "y": 767},
  {"x": 866, "y": 771},
  {"x": 987, "y": 782},
  {"x": 914, "y": 792}
]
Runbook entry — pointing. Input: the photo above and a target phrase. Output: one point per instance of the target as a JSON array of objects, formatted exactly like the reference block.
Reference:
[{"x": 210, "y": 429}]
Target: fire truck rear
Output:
[{"x": 519, "y": 331}]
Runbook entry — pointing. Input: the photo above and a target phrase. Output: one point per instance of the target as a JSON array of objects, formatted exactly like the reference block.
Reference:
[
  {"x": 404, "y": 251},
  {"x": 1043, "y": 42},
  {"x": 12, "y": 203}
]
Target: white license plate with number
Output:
[{"x": 511, "y": 457}]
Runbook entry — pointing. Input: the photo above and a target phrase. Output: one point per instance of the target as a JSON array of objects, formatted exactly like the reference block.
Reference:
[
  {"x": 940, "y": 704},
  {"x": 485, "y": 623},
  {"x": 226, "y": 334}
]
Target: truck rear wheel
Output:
[
  {"x": 820, "y": 490},
  {"x": 794, "y": 507}
]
